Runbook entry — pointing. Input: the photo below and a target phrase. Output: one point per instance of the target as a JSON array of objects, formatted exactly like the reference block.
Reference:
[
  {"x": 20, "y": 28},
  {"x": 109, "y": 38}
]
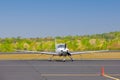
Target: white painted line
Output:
[{"x": 111, "y": 77}]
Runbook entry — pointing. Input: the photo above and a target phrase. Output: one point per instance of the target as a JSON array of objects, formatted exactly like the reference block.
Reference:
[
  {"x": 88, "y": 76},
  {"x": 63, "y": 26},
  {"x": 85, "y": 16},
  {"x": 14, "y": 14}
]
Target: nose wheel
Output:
[
  {"x": 64, "y": 60},
  {"x": 64, "y": 57}
]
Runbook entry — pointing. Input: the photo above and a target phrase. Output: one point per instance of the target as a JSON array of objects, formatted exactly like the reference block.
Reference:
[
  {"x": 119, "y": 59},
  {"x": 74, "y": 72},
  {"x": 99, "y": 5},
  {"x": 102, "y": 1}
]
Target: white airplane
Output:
[{"x": 62, "y": 50}]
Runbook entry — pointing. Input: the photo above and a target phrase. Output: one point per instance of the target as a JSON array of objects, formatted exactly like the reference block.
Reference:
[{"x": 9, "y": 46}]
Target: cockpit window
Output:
[{"x": 61, "y": 46}]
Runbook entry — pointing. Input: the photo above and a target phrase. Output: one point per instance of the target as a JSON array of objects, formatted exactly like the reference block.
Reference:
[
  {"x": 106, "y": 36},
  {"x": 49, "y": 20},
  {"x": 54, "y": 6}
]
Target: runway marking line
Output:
[{"x": 108, "y": 76}]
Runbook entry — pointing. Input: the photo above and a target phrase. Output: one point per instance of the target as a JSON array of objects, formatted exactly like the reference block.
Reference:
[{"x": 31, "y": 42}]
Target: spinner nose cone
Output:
[
  {"x": 61, "y": 50},
  {"x": 65, "y": 50}
]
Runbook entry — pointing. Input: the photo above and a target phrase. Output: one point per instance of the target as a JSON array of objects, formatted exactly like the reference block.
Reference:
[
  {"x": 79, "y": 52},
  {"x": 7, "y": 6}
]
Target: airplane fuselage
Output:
[{"x": 62, "y": 51}]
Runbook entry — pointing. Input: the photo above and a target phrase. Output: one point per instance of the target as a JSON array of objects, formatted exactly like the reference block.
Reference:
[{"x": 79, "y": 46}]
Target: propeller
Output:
[
  {"x": 65, "y": 45},
  {"x": 67, "y": 51}
]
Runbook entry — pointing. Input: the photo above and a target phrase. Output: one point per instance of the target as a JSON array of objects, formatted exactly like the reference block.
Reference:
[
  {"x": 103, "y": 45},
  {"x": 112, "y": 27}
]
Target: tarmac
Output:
[{"x": 58, "y": 70}]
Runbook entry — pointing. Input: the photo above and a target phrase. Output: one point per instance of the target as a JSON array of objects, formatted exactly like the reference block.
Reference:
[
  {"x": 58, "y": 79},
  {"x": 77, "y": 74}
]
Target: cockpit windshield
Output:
[{"x": 61, "y": 46}]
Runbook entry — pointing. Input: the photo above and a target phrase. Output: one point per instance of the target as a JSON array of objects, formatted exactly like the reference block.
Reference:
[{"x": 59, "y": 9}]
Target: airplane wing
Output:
[
  {"x": 87, "y": 52},
  {"x": 25, "y": 51},
  {"x": 54, "y": 53},
  {"x": 38, "y": 52},
  {"x": 49, "y": 53}
]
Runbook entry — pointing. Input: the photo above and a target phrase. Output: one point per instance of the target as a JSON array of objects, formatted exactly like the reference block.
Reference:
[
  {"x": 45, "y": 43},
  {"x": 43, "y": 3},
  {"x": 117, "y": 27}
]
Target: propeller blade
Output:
[
  {"x": 68, "y": 53},
  {"x": 65, "y": 45}
]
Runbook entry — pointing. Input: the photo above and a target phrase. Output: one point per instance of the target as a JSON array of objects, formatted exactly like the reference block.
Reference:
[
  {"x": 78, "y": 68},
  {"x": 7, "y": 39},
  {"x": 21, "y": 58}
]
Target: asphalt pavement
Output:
[{"x": 58, "y": 70}]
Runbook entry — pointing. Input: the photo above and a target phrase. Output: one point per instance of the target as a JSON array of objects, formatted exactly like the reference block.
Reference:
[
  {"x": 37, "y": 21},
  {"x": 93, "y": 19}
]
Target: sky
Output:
[{"x": 43, "y": 18}]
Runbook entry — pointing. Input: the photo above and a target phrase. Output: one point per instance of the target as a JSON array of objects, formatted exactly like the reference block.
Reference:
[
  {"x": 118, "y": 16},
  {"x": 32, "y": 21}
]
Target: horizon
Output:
[{"x": 59, "y": 36}]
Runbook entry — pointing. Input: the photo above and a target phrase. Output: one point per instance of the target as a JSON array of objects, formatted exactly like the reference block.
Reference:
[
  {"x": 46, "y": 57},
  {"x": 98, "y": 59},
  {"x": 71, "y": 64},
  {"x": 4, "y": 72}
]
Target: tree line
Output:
[{"x": 105, "y": 41}]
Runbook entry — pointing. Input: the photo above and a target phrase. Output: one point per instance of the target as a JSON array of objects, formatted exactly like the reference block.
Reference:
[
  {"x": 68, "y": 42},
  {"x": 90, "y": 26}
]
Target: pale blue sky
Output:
[{"x": 42, "y": 18}]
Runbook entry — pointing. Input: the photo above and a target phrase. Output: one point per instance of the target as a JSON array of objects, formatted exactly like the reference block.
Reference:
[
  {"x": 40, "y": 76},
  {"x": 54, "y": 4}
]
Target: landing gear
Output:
[
  {"x": 71, "y": 58},
  {"x": 69, "y": 55},
  {"x": 64, "y": 57},
  {"x": 64, "y": 60}
]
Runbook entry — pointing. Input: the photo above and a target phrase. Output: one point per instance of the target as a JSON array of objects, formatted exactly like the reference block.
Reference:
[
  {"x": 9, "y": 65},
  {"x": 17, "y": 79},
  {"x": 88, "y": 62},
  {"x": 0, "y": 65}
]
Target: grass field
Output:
[{"x": 92, "y": 56}]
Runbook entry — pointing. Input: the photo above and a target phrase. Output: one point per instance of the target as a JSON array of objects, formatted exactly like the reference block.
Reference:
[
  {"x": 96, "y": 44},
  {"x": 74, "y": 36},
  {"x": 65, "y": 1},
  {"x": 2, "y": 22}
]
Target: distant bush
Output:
[{"x": 103, "y": 41}]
